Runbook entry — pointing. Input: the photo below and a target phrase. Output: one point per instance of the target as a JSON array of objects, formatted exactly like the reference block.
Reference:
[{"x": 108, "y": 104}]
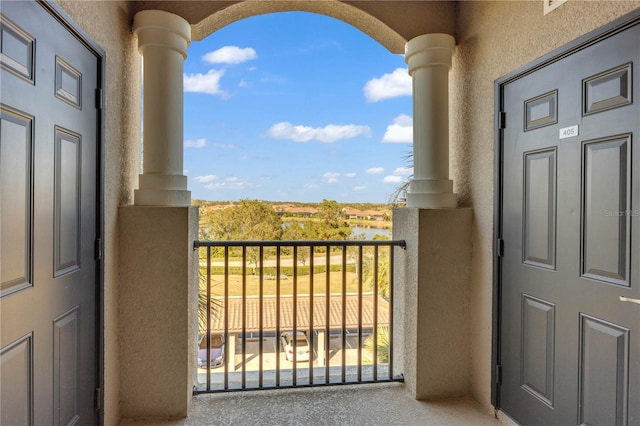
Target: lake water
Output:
[{"x": 369, "y": 233}]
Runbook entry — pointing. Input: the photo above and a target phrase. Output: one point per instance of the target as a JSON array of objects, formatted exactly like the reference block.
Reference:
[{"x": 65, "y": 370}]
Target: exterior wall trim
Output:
[{"x": 591, "y": 38}]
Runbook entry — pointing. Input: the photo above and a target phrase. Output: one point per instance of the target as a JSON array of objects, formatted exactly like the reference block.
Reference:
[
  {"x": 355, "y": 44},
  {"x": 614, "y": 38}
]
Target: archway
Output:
[{"x": 295, "y": 106}]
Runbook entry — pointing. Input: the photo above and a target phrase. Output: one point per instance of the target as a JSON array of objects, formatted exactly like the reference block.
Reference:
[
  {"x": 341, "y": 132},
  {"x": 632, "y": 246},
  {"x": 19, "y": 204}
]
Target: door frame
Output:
[
  {"x": 629, "y": 20},
  {"x": 65, "y": 20}
]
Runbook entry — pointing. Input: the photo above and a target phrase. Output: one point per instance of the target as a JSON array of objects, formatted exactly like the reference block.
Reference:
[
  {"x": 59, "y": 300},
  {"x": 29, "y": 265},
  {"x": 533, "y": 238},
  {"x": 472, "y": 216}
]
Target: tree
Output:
[
  {"x": 382, "y": 343},
  {"x": 384, "y": 276},
  {"x": 332, "y": 224},
  {"x": 399, "y": 195},
  {"x": 249, "y": 220},
  {"x": 297, "y": 232}
]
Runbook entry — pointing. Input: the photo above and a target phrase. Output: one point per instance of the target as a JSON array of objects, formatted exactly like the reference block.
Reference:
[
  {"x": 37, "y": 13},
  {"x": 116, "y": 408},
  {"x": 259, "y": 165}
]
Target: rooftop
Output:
[{"x": 303, "y": 313}]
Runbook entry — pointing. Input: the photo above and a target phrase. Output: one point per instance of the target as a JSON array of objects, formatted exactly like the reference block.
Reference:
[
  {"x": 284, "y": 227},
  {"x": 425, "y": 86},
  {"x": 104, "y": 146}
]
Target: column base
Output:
[
  {"x": 432, "y": 201},
  {"x": 162, "y": 197},
  {"x": 431, "y": 194}
]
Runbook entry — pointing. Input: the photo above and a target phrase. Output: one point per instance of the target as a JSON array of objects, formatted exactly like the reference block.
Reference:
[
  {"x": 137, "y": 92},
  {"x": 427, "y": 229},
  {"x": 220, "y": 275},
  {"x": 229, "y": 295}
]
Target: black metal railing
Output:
[{"x": 281, "y": 314}]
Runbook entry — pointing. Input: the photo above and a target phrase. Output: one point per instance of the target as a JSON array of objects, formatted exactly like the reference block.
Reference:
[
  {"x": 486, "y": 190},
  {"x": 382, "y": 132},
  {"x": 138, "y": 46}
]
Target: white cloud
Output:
[
  {"x": 375, "y": 170},
  {"x": 208, "y": 83},
  {"x": 401, "y": 131},
  {"x": 311, "y": 186},
  {"x": 224, "y": 145},
  {"x": 398, "y": 83},
  {"x": 243, "y": 83},
  {"x": 230, "y": 183},
  {"x": 359, "y": 188},
  {"x": 205, "y": 179},
  {"x": 327, "y": 134},
  {"x": 350, "y": 175},
  {"x": 195, "y": 143},
  {"x": 331, "y": 177},
  {"x": 230, "y": 55},
  {"x": 392, "y": 179},
  {"x": 403, "y": 171}
]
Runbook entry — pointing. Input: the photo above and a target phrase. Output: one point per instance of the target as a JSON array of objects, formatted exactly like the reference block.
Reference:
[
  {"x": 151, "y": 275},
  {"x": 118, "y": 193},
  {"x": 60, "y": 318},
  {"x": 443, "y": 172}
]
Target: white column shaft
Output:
[
  {"x": 431, "y": 128},
  {"x": 163, "y": 39},
  {"x": 429, "y": 60},
  {"x": 163, "y": 111}
]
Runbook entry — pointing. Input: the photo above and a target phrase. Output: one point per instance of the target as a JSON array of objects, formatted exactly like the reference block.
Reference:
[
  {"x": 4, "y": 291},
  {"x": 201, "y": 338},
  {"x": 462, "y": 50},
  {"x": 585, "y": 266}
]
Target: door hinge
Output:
[
  {"x": 500, "y": 247},
  {"x": 98, "y": 249},
  {"x": 502, "y": 120},
  {"x": 99, "y": 99},
  {"x": 97, "y": 399},
  {"x": 498, "y": 374}
]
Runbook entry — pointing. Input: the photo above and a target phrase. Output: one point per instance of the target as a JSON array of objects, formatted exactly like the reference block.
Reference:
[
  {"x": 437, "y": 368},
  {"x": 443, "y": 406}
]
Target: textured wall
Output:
[
  {"x": 431, "y": 301},
  {"x": 495, "y": 38},
  {"x": 158, "y": 310},
  {"x": 107, "y": 23},
  {"x": 391, "y": 23}
]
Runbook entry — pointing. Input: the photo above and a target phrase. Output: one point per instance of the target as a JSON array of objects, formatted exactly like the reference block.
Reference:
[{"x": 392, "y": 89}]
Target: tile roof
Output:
[{"x": 270, "y": 304}]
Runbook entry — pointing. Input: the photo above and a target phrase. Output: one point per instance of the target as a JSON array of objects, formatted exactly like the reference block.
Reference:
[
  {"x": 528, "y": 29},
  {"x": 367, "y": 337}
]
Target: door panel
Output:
[
  {"x": 48, "y": 205},
  {"x": 570, "y": 347}
]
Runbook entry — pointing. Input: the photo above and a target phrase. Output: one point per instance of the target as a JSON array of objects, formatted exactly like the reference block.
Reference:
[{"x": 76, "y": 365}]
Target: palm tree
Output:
[
  {"x": 382, "y": 343},
  {"x": 383, "y": 279},
  {"x": 399, "y": 195},
  {"x": 202, "y": 302}
]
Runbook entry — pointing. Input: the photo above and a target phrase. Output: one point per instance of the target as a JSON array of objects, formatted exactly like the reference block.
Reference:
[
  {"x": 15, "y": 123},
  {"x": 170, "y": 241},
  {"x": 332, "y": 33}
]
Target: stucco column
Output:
[
  {"x": 429, "y": 60},
  {"x": 163, "y": 39},
  {"x": 431, "y": 304}
]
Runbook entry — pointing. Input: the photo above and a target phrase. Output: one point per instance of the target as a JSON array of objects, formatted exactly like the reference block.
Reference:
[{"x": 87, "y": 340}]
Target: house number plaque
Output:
[{"x": 569, "y": 132}]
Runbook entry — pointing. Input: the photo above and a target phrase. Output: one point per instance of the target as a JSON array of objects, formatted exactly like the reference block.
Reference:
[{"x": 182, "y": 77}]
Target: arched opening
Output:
[
  {"x": 357, "y": 18},
  {"x": 295, "y": 107}
]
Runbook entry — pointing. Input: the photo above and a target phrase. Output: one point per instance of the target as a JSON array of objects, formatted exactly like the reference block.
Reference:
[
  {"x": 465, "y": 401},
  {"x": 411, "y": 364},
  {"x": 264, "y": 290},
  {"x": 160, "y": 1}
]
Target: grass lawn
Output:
[{"x": 286, "y": 286}]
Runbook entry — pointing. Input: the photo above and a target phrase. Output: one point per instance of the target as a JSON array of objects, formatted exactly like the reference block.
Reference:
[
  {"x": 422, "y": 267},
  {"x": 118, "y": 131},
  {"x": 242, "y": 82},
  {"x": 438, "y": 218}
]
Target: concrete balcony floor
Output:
[{"x": 375, "y": 404}]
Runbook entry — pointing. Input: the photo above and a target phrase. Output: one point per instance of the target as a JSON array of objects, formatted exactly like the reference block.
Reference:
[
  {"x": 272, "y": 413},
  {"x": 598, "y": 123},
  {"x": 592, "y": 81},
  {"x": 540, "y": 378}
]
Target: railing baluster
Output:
[
  {"x": 278, "y": 318},
  {"x": 327, "y": 317},
  {"x": 208, "y": 312},
  {"x": 359, "y": 266},
  {"x": 260, "y": 333},
  {"x": 375, "y": 313},
  {"x": 244, "y": 317},
  {"x": 311, "y": 339},
  {"x": 294, "y": 301},
  {"x": 226, "y": 321},
  {"x": 344, "y": 314},
  {"x": 390, "y": 313}
]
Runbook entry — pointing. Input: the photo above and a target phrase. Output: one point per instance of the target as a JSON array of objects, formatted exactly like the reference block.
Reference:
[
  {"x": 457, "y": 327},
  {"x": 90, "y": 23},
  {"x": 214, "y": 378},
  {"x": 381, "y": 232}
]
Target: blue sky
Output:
[{"x": 295, "y": 107}]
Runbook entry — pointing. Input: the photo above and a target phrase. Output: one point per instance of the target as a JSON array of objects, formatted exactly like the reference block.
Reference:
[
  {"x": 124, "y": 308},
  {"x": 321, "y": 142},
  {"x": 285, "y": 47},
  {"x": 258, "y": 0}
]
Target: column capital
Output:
[
  {"x": 162, "y": 29},
  {"x": 429, "y": 50}
]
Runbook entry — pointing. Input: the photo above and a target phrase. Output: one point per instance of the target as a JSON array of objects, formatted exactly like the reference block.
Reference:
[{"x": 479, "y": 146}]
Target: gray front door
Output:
[
  {"x": 48, "y": 220},
  {"x": 570, "y": 224}
]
